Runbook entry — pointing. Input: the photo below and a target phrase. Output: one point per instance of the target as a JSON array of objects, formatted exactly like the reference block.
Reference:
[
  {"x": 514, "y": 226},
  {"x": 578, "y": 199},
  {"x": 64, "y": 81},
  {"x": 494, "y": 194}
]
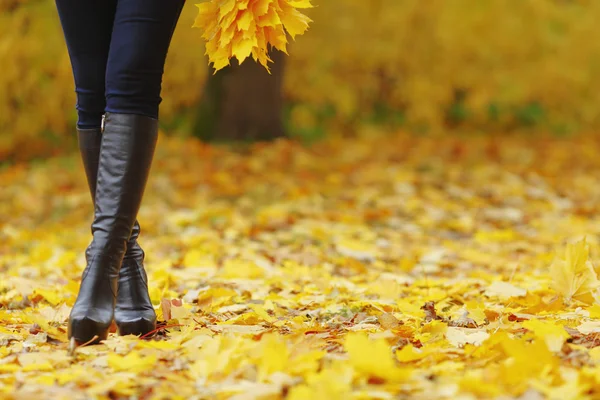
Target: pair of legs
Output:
[{"x": 118, "y": 50}]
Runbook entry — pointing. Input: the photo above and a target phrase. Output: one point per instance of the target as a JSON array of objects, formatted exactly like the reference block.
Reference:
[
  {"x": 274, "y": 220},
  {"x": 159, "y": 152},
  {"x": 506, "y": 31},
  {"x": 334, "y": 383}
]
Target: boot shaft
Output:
[
  {"x": 127, "y": 149},
  {"x": 89, "y": 141}
]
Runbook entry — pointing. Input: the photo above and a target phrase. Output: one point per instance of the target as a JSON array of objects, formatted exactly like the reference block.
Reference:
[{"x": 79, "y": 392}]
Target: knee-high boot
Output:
[
  {"x": 134, "y": 313},
  {"x": 125, "y": 157}
]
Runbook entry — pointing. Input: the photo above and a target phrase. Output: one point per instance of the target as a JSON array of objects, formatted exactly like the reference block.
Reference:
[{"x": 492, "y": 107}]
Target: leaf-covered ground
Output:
[{"x": 384, "y": 268}]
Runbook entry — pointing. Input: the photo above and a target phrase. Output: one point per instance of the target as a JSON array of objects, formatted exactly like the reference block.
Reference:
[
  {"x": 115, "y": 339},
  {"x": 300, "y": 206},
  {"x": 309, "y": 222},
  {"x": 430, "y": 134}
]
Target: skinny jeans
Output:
[{"x": 118, "y": 50}]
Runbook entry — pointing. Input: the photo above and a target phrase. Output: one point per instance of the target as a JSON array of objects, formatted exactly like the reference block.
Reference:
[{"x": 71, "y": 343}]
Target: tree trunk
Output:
[{"x": 243, "y": 102}]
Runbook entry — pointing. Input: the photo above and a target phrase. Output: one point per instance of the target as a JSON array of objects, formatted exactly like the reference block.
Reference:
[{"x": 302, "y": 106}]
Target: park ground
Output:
[{"x": 389, "y": 267}]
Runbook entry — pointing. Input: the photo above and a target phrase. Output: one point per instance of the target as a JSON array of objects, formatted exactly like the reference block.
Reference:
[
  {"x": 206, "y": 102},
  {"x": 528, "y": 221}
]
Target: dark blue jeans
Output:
[{"x": 118, "y": 50}]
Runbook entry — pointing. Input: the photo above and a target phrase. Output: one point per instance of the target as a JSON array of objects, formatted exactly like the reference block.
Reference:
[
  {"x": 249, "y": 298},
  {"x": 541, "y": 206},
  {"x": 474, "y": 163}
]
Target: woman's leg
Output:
[
  {"x": 88, "y": 26},
  {"x": 140, "y": 39}
]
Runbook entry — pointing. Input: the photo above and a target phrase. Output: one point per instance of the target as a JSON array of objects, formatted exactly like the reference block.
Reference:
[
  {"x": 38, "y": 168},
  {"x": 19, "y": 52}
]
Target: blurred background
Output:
[{"x": 434, "y": 67}]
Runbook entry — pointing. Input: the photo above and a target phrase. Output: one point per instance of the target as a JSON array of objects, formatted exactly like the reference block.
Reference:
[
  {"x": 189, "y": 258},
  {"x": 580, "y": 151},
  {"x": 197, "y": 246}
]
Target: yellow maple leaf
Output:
[
  {"x": 274, "y": 356},
  {"x": 48, "y": 328},
  {"x": 409, "y": 353},
  {"x": 240, "y": 28},
  {"x": 35, "y": 362},
  {"x": 261, "y": 312},
  {"x": 526, "y": 360},
  {"x": 54, "y": 297},
  {"x": 474, "y": 381},
  {"x": 373, "y": 358},
  {"x": 594, "y": 311},
  {"x": 574, "y": 276},
  {"x": 333, "y": 382},
  {"x": 305, "y": 363},
  {"x": 554, "y": 335},
  {"x": 572, "y": 388},
  {"x": 131, "y": 362}
]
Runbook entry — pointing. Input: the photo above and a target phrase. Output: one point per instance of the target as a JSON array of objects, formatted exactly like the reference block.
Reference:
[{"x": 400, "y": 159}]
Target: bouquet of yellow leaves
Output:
[{"x": 240, "y": 28}]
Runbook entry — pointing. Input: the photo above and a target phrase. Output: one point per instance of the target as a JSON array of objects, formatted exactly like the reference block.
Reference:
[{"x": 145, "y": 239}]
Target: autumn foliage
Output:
[
  {"x": 394, "y": 267},
  {"x": 429, "y": 66},
  {"x": 373, "y": 264}
]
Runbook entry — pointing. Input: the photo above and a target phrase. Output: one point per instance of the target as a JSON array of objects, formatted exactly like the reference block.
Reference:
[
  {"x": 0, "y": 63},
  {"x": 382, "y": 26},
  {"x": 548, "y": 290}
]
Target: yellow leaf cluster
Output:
[
  {"x": 573, "y": 274},
  {"x": 244, "y": 28}
]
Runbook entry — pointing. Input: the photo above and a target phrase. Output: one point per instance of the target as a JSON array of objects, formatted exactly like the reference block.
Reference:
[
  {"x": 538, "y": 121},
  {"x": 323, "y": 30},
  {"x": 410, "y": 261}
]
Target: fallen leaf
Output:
[
  {"x": 388, "y": 321},
  {"x": 504, "y": 289},
  {"x": 573, "y": 275},
  {"x": 132, "y": 362},
  {"x": 373, "y": 358},
  {"x": 553, "y": 334},
  {"x": 458, "y": 337}
]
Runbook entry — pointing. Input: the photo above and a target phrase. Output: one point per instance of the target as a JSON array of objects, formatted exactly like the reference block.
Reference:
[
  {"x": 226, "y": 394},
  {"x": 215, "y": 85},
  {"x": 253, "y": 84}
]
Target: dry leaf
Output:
[
  {"x": 573, "y": 275},
  {"x": 388, "y": 321},
  {"x": 460, "y": 336},
  {"x": 504, "y": 289},
  {"x": 373, "y": 357}
]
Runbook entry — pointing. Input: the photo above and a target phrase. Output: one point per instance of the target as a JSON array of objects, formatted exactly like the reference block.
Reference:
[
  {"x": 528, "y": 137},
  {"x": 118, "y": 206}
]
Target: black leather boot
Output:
[
  {"x": 134, "y": 313},
  {"x": 127, "y": 148}
]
